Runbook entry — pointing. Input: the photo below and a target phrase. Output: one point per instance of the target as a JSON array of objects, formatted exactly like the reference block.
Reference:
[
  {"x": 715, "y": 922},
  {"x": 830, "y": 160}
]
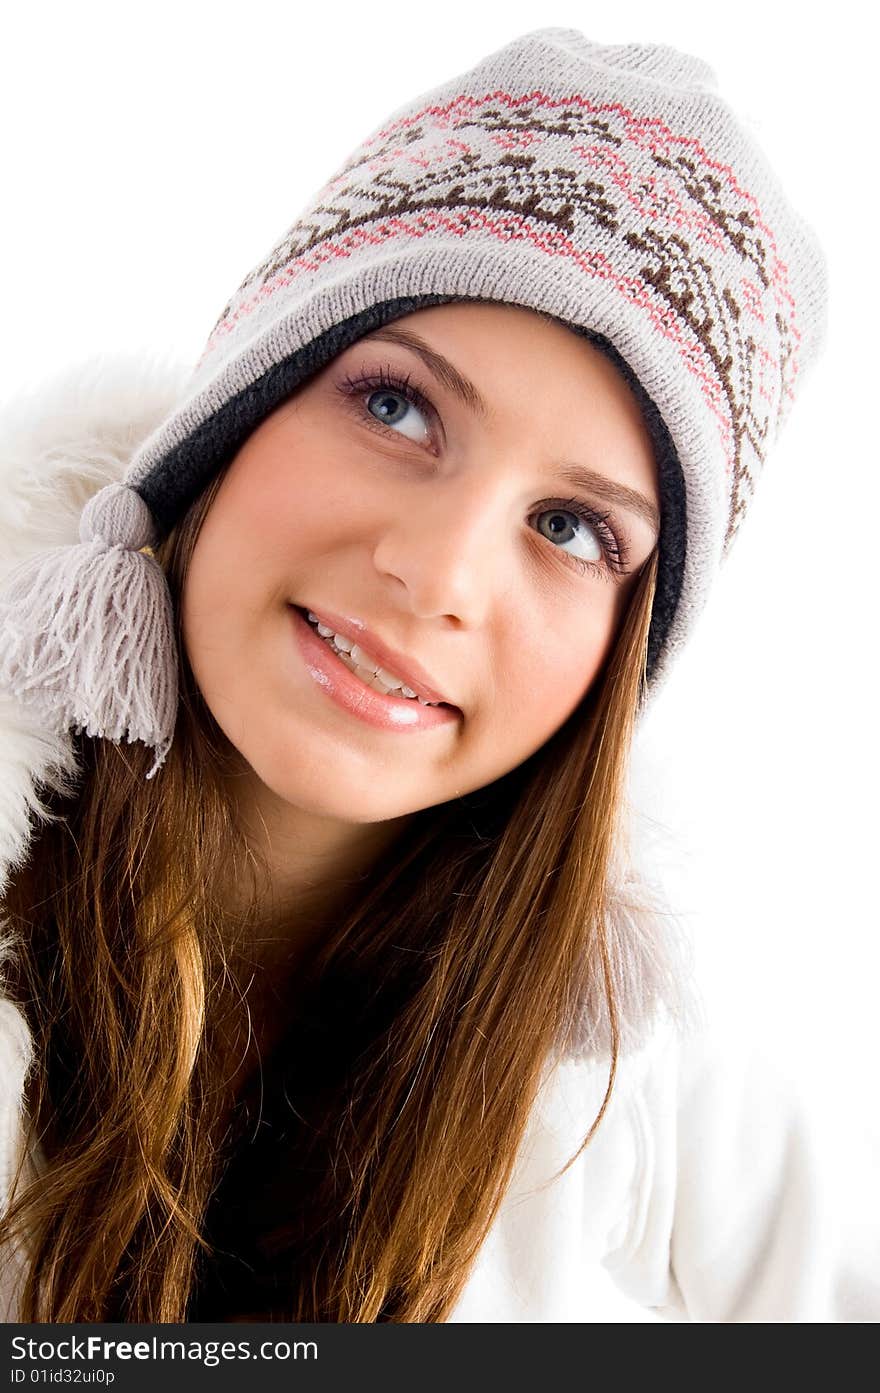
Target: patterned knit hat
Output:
[{"x": 606, "y": 185}]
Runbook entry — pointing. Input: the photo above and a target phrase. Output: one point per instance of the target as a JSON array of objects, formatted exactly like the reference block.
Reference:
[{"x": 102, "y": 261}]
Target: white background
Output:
[{"x": 152, "y": 153}]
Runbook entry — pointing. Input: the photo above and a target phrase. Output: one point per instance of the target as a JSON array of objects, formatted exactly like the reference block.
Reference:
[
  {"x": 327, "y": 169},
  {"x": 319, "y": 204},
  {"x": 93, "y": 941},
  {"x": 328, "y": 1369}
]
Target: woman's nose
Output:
[{"x": 447, "y": 546}]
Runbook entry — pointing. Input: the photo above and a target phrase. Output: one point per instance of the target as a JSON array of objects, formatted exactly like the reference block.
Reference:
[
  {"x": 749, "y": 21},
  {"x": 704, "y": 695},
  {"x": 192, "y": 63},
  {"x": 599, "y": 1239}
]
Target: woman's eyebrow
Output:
[
  {"x": 630, "y": 499},
  {"x": 445, "y": 372},
  {"x": 462, "y": 387}
]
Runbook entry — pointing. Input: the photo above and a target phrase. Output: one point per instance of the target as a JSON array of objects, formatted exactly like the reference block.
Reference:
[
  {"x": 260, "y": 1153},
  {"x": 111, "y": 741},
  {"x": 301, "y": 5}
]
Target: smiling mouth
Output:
[
  {"x": 364, "y": 666},
  {"x": 370, "y": 672}
]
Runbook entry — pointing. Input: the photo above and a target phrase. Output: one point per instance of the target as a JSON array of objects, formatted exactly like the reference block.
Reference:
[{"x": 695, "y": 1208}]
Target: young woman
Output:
[{"x": 334, "y": 987}]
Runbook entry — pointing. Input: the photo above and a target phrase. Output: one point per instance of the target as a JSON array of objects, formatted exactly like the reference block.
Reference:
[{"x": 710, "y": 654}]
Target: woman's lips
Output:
[
  {"x": 404, "y": 667},
  {"x": 345, "y": 688}
]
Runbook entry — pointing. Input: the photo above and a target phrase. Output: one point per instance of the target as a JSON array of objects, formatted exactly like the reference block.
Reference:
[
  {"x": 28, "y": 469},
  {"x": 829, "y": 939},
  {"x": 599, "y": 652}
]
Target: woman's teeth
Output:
[{"x": 354, "y": 657}]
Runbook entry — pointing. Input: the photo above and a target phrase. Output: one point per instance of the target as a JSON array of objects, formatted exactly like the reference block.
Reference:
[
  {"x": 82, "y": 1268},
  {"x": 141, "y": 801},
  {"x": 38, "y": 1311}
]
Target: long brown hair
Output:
[{"x": 436, "y": 1001}]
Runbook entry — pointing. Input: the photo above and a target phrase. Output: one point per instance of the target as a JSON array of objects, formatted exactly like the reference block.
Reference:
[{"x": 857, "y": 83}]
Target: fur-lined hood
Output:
[{"x": 59, "y": 444}]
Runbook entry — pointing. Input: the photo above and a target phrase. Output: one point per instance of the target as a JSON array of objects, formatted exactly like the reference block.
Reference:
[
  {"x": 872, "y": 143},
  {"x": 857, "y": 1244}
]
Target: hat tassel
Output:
[{"x": 87, "y": 631}]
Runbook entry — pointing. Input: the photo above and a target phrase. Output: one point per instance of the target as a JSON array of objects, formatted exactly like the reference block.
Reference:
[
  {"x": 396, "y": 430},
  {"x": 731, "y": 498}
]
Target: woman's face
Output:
[{"x": 419, "y": 493}]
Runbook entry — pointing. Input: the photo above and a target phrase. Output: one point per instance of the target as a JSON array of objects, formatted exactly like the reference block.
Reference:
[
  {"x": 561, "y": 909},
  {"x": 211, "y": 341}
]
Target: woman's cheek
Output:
[{"x": 562, "y": 672}]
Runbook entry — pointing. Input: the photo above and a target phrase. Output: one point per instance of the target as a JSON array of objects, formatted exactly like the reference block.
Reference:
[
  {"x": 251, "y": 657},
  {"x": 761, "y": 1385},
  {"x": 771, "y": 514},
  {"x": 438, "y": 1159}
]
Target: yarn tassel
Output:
[{"x": 87, "y": 631}]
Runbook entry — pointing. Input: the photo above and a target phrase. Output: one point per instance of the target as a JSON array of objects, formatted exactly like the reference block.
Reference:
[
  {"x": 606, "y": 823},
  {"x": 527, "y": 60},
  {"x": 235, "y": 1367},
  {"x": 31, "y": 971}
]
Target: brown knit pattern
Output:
[{"x": 633, "y": 197}]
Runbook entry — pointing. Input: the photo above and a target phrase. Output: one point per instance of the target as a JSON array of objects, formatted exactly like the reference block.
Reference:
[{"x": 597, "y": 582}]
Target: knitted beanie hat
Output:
[{"x": 606, "y": 185}]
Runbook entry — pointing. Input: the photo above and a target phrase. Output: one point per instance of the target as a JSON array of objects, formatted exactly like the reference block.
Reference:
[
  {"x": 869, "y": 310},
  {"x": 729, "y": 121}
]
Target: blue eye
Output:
[
  {"x": 609, "y": 550},
  {"x": 391, "y": 400},
  {"x": 560, "y": 529},
  {"x": 395, "y": 410}
]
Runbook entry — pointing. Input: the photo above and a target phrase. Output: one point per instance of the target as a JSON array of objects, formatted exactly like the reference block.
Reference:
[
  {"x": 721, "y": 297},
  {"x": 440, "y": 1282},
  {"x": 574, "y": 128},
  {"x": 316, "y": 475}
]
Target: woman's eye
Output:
[
  {"x": 561, "y": 526},
  {"x": 393, "y": 409}
]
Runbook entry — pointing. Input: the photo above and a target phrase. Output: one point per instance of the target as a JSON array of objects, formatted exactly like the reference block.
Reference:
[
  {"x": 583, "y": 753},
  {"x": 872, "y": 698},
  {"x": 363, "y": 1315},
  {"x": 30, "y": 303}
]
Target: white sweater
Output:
[{"x": 712, "y": 1190}]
